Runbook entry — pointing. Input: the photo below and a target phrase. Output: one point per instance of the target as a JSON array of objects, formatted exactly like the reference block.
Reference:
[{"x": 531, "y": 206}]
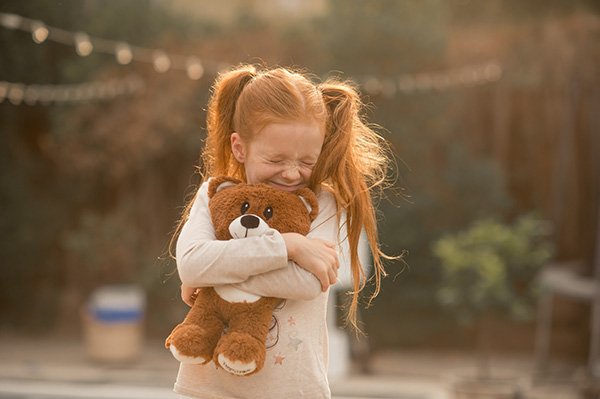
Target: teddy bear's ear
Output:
[
  {"x": 310, "y": 200},
  {"x": 219, "y": 183}
]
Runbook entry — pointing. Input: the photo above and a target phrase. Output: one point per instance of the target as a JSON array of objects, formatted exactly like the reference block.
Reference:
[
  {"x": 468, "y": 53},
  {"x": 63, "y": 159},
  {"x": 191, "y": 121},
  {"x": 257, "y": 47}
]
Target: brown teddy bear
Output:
[{"x": 225, "y": 324}]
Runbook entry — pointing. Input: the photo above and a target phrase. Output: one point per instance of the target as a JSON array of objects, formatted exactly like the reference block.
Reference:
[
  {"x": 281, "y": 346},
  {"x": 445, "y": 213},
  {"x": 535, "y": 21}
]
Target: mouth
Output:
[{"x": 286, "y": 187}]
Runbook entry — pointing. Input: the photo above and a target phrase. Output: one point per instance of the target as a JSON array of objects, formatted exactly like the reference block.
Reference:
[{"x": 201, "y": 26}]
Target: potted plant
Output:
[{"x": 490, "y": 270}]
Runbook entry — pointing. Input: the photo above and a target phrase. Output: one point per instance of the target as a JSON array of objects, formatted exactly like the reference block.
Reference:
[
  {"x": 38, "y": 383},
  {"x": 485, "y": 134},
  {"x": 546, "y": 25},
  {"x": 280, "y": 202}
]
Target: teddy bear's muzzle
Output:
[{"x": 248, "y": 225}]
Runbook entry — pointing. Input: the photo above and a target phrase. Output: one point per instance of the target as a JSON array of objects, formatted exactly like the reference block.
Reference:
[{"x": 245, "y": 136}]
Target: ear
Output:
[
  {"x": 310, "y": 200},
  {"x": 238, "y": 147},
  {"x": 219, "y": 183}
]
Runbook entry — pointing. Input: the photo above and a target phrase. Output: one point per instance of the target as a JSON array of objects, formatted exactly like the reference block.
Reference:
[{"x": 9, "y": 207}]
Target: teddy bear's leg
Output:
[
  {"x": 241, "y": 351},
  {"x": 194, "y": 340}
]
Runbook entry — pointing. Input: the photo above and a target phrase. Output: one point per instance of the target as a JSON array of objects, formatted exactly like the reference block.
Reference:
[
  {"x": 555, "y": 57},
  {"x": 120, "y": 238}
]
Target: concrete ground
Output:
[{"x": 61, "y": 368}]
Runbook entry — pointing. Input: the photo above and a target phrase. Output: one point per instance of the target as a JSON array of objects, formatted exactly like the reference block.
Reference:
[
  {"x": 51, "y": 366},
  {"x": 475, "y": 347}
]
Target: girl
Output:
[{"x": 276, "y": 127}]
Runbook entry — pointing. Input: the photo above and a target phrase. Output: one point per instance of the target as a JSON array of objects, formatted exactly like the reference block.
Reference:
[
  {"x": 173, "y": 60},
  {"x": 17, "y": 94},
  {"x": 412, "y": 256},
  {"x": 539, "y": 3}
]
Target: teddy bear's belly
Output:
[{"x": 234, "y": 295}]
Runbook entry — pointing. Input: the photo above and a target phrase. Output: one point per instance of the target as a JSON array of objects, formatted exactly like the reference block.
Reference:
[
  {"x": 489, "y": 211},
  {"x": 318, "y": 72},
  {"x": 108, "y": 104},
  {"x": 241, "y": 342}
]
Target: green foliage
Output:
[
  {"x": 442, "y": 196},
  {"x": 491, "y": 267}
]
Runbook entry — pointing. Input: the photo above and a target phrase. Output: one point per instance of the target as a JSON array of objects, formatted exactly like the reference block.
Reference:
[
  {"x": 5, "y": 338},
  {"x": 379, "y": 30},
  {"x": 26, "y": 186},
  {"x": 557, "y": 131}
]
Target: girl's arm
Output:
[
  {"x": 294, "y": 282},
  {"x": 203, "y": 261}
]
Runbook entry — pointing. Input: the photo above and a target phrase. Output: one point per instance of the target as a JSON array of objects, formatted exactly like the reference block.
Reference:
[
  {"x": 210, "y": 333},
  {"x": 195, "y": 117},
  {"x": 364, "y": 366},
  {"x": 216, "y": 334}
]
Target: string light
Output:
[
  {"x": 196, "y": 69},
  {"x": 83, "y": 45},
  {"x": 18, "y": 93},
  {"x": 434, "y": 81},
  {"x": 123, "y": 53},
  {"x": 39, "y": 32},
  {"x": 161, "y": 61}
]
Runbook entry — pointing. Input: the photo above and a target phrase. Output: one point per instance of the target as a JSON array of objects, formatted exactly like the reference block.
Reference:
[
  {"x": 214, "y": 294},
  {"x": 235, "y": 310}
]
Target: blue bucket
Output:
[{"x": 117, "y": 304}]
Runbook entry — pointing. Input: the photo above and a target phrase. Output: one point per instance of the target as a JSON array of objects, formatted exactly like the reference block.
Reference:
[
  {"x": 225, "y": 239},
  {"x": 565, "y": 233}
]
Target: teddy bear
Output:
[{"x": 225, "y": 324}]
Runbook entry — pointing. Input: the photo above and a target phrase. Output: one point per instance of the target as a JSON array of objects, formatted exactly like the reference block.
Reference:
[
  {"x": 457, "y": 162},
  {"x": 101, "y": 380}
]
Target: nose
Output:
[
  {"x": 249, "y": 221},
  {"x": 291, "y": 173}
]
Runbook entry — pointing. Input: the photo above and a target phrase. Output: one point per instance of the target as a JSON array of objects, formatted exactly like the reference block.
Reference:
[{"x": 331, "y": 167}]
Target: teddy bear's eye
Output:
[
  {"x": 245, "y": 207},
  {"x": 268, "y": 213}
]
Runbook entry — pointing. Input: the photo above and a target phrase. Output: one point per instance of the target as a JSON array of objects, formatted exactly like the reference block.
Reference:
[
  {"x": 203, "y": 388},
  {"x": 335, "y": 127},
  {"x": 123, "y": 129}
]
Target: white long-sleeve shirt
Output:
[{"x": 297, "y": 354}]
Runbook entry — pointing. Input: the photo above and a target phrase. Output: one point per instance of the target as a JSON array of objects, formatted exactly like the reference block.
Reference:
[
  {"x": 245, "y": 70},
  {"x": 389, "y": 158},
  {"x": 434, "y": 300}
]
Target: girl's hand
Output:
[
  {"x": 188, "y": 294},
  {"x": 315, "y": 255}
]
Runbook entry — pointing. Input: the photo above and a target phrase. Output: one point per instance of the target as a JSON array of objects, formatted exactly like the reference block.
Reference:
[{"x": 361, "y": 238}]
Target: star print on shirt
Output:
[
  {"x": 279, "y": 359},
  {"x": 291, "y": 321}
]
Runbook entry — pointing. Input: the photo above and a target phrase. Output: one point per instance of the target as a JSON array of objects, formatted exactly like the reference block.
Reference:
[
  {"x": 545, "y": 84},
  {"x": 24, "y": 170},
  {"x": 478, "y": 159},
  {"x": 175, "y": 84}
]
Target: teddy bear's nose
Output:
[{"x": 250, "y": 221}]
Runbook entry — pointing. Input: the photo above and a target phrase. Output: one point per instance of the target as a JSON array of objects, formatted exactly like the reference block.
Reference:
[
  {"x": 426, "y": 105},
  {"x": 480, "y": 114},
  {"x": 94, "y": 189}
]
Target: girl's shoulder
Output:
[
  {"x": 200, "y": 199},
  {"x": 327, "y": 204},
  {"x": 326, "y": 196},
  {"x": 203, "y": 189}
]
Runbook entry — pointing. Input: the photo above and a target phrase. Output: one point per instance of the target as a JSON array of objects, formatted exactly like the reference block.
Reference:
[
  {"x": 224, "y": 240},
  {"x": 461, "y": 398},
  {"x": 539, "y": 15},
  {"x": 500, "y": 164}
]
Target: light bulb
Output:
[
  {"x": 373, "y": 86},
  {"x": 16, "y": 93},
  {"x": 83, "y": 45},
  {"x": 123, "y": 53},
  {"x": 161, "y": 61},
  {"x": 194, "y": 68},
  {"x": 39, "y": 32},
  {"x": 45, "y": 95},
  {"x": 78, "y": 93},
  {"x": 60, "y": 94},
  {"x": 11, "y": 21},
  {"x": 493, "y": 72},
  {"x": 32, "y": 94},
  {"x": 406, "y": 84},
  {"x": 423, "y": 81}
]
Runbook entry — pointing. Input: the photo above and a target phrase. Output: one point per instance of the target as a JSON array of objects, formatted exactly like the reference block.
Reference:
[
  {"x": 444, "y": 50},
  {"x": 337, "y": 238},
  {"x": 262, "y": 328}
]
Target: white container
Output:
[{"x": 113, "y": 323}]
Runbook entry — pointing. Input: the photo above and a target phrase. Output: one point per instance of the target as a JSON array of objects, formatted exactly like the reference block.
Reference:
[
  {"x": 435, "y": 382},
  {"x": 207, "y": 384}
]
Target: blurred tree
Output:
[
  {"x": 119, "y": 168},
  {"x": 490, "y": 271},
  {"x": 73, "y": 217},
  {"x": 447, "y": 185},
  {"x": 384, "y": 37}
]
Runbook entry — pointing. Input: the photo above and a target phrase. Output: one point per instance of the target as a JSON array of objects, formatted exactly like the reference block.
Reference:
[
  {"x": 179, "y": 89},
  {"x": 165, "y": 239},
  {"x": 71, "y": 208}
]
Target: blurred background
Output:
[{"x": 492, "y": 109}]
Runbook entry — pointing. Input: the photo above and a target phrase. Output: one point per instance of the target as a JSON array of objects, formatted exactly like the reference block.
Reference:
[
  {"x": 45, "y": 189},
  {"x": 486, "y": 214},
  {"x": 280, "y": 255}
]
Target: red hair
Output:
[{"x": 353, "y": 161}]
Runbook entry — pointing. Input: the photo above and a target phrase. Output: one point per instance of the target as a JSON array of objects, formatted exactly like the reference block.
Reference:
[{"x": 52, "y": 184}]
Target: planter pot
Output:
[
  {"x": 467, "y": 385},
  {"x": 113, "y": 324}
]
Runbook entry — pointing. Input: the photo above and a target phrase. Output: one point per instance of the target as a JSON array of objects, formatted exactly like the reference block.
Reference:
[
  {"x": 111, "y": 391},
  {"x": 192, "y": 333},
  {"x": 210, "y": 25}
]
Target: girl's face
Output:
[{"x": 281, "y": 154}]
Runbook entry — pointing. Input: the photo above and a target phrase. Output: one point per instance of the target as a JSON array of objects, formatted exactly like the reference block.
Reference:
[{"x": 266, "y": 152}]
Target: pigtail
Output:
[
  {"x": 217, "y": 157},
  {"x": 353, "y": 162}
]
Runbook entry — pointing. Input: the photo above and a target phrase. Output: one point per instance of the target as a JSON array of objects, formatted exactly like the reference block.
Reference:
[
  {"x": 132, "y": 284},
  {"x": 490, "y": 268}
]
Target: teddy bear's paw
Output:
[
  {"x": 240, "y": 353},
  {"x": 191, "y": 344},
  {"x": 236, "y": 367},
  {"x": 186, "y": 359}
]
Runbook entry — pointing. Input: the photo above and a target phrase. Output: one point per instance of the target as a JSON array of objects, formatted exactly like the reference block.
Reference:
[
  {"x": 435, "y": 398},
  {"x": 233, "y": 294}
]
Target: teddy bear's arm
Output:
[{"x": 203, "y": 261}]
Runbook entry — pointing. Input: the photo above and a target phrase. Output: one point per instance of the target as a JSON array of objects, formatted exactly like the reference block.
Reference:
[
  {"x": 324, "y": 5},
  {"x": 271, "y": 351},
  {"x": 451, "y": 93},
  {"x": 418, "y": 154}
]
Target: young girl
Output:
[{"x": 277, "y": 127}]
